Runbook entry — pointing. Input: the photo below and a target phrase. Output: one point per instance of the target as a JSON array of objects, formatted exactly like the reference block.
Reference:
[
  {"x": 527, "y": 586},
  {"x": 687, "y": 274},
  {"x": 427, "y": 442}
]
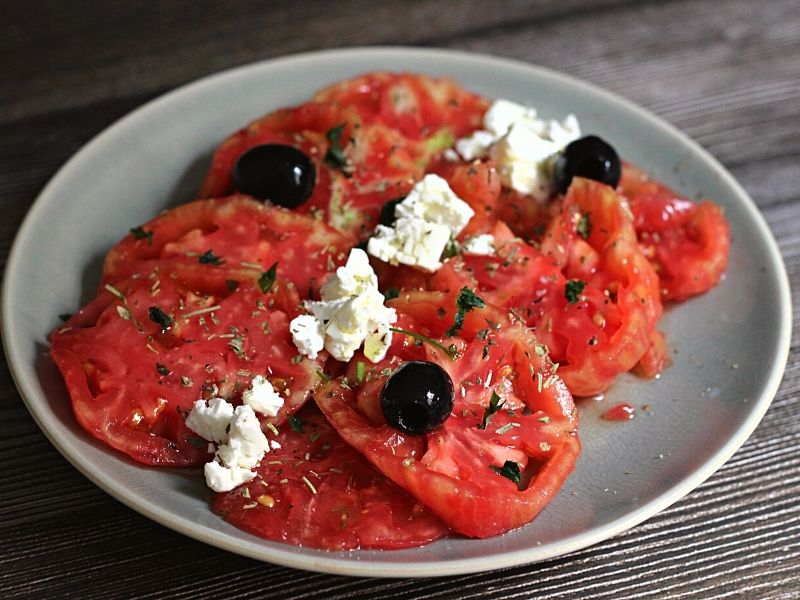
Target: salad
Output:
[{"x": 370, "y": 328}]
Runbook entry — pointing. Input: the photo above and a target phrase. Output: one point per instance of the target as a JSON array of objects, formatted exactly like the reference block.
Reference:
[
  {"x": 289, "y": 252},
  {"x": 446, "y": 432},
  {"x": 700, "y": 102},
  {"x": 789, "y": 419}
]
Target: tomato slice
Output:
[
  {"x": 137, "y": 357},
  {"x": 453, "y": 470},
  {"x": 209, "y": 246},
  {"x": 687, "y": 243},
  {"x": 315, "y": 490},
  {"x": 393, "y": 126},
  {"x": 597, "y": 320}
]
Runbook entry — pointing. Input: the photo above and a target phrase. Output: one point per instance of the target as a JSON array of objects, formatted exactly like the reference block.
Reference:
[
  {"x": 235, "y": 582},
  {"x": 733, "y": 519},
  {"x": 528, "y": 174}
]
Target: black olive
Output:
[
  {"x": 282, "y": 174},
  {"x": 387, "y": 212},
  {"x": 589, "y": 157},
  {"x": 417, "y": 397}
]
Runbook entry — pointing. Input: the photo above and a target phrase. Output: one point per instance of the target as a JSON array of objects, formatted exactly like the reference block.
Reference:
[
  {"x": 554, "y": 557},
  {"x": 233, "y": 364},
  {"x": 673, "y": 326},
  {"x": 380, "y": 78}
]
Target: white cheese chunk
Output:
[
  {"x": 354, "y": 278},
  {"x": 210, "y": 421},
  {"x": 411, "y": 241},
  {"x": 432, "y": 200},
  {"x": 522, "y": 161},
  {"x": 262, "y": 397},
  {"x": 522, "y": 145},
  {"x": 308, "y": 335},
  {"x": 350, "y": 314},
  {"x": 482, "y": 244},
  {"x": 242, "y": 443}
]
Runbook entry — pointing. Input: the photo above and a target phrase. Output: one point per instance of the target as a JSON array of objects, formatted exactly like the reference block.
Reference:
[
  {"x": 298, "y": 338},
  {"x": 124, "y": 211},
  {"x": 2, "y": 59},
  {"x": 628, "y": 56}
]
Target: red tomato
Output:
[
  {"x": 394, "y": 127},
  {"x": 317, "y": 491},
  {"x": 455, "y": 470},
  {"x": 244, "y": 238},
  {"x": 597, "y": 319},
  {"x": 138, "y": 356},
  {"x": 687, "y": 243}
]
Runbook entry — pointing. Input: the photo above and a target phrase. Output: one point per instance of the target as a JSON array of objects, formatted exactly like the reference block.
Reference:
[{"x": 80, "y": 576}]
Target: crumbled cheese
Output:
[
  {"x": 411, "y": 241},
  {"x": 274, "y": 445},
  {"x": 210, "y": 422},
  {"x": 426, "y": 220},
  {"x": 308, "y": 335},
  {"x": 521, "y": 144},
  {"x": 522, "y": 161},
  {"x": 351, "y": 313},
  {"x": 482, "y": 244},
  {"x": 242, "y": 443},
  {"x": 432, "y": 200},
  {"x": 262, "y": 397}
]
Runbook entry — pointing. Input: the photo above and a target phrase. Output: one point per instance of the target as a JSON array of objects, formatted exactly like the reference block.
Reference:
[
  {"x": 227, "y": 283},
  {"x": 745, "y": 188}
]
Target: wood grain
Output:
[{"x": 727, "y": 72}]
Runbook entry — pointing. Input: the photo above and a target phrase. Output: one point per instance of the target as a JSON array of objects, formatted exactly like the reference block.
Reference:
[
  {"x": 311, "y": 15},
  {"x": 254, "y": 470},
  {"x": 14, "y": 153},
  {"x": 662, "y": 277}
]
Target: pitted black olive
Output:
[
  {"x": 417, "y": 397},
  {"x": 589, "y": 157},
  {"x": 281, "y": 174}
]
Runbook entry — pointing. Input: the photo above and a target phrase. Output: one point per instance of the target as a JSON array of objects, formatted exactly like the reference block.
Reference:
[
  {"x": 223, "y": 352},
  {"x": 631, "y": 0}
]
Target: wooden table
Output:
[{"x": 727, "y": 72}]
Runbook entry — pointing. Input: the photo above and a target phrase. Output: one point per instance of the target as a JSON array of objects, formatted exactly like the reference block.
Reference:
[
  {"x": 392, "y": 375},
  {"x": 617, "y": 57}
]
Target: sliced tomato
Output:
[
  {"x": 687, "y": 242},
  {"x": 454, "y": 470},
  {"x": 211, "y": 245},
  {"x": 598, "y": 318},
  {"x": 317, "y": 491},
  {"x": 138, "y": 356}
]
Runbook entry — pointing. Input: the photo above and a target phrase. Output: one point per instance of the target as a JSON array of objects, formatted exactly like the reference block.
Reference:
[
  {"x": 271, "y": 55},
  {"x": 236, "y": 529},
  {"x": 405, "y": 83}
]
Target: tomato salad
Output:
[{"x": 370, "y": 327}]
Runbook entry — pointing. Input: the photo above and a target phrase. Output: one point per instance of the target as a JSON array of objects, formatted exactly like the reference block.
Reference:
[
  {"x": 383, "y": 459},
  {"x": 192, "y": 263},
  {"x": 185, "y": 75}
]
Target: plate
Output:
[{"x": 731, "y": 344}]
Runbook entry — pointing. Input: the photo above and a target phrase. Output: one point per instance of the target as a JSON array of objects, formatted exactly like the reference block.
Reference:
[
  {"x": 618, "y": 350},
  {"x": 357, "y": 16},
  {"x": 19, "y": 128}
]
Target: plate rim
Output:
[{"x": 328, "y": 562}]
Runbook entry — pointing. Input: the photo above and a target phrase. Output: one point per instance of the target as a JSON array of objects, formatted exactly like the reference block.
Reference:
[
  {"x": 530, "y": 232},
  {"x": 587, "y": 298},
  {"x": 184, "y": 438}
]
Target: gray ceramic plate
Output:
[{"x": 702, "y": 409}]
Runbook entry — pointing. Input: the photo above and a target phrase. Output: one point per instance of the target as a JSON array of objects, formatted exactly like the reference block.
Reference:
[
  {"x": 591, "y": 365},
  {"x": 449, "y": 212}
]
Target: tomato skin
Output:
[
  {"x": 688, "y": 243},
  {"x": 450, "y": 469},
  {"x": 352, "y": 505}
]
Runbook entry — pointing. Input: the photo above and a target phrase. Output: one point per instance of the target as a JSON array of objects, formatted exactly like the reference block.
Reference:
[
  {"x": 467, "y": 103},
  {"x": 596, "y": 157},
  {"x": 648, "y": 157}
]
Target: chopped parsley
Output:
[
  {"x": 142, "y": 234},
  {"x": 232, "y": 285},
  {"x": 237, "y": 345},
  {"x": 321, "y": 374},
  {"x": 162, "y": 369},
  {"x": 296, "y": 424},
  {"x": 495, "y": 404},
  {"x": 159, "y": 317},
  {"x": 584, "y": 227},
  {"x": 209, "y": 258},
  {"x": 451, "y": 249},
  {"x": 467, "y": 300},
  {"x": 391, "y": 294},
  {"x": 267, "y": 279},
  {"x": 451, "y": 351},
  {"x": 509, "y": 470},
  {"x": 335, "y": 157},
  {"x": 573, "y": 289}
]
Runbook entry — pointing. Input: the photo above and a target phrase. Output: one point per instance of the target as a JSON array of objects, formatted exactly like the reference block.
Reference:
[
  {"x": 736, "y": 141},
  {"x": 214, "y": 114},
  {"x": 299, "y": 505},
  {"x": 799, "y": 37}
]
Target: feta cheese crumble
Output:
[
  {"x": 242, "y": 443},
  {"x": 521, "y": 144},
  {"x": 426, "y": 220},
  {"x": 350, "y": 314},
  {"x": 262, "y": 397},
  {"x": 482, "y": 244}
]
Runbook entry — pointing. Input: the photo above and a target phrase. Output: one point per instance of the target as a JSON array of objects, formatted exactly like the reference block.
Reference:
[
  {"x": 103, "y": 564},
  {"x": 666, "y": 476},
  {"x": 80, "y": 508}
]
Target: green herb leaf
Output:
[
  {"x": 584, "y": 227},
  {"x": 237, "y": 345},
  {"x": 360, "y": 371},
  {"x": 494, "y": 405},
  {"x": 452, "y": 351},
  {"x": 451, "y": 249},
  {"x": 65, "y": 316},
  {"x": 142, "y": 234},
  {"x": 159, "y": 317},
  {"x": 509, "y": 470},
  {"x": 321, "y": 374},
  {"x": 335, "y": 157},
  {"x": 391, "y": 294},
  {"x": 209, "y": 258},
  {"x": 296, "y": 424},
  {"x": 573, "y": 289},
  {"x": 467, "y": 300},
  {"x": 162, "y": 369},
  {"x": 232, "y": 285},
  {"x": 267, "y": 279}
]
